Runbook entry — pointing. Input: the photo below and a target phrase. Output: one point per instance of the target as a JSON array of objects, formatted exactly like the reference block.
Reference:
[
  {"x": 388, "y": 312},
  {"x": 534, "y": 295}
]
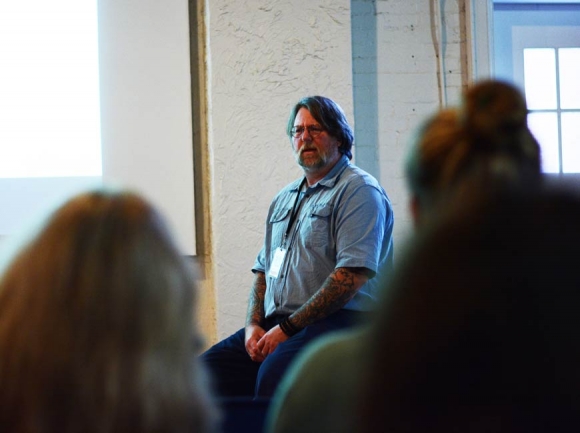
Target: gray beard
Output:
[
  {"x": 319, "y": 163},
  {"x": 315, "y": 165}
]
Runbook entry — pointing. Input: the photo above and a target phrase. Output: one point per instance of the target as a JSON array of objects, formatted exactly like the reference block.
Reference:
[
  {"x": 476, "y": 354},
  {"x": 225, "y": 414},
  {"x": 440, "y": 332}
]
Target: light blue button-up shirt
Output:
[{"x": 344, "y": 220}]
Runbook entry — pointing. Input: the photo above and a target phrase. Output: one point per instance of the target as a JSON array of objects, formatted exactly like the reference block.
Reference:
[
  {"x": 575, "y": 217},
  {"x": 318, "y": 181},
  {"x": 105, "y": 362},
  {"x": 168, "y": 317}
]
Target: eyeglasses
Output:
[{"x": 313, "y": 131}]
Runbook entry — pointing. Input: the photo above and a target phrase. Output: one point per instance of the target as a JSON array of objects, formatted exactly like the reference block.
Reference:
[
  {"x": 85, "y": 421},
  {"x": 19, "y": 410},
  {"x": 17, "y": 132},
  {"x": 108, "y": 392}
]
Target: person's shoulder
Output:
[
  {"x": 356, "y": 176},
  {"x": 318, "y": 391},
  {"x": 334, "y": 345},
  {"x": 355, "y": 182},
  {"x": 327, "y": 358}
]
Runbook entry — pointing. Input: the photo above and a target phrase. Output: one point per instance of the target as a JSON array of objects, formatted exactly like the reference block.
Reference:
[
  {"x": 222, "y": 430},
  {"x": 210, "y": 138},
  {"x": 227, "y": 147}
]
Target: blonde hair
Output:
[{"x": 96, "y": 325}]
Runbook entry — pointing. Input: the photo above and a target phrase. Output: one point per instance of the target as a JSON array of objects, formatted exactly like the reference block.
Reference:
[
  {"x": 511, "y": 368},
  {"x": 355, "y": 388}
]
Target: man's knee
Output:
[
  {"x": 231, "y": 371},
  {"x": 273, "y": 368}
]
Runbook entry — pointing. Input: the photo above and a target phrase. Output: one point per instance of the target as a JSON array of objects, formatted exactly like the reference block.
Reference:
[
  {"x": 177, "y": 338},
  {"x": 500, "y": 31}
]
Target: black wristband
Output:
[{"x": 288, "y": 328}]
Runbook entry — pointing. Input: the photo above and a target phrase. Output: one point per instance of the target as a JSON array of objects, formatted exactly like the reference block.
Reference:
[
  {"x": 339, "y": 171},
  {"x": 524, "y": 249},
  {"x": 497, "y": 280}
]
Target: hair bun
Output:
[{"x": 493, "y": 111}]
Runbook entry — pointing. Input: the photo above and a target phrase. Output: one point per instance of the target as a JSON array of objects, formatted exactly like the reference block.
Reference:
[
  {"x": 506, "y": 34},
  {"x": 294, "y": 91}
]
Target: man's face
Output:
[{"x": 314, "y": 154}]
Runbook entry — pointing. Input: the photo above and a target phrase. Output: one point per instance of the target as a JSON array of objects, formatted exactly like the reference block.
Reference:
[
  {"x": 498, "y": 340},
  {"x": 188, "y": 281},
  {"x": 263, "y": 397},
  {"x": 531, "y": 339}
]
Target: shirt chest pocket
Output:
[
  {"x": 316, "y": 227},
  {"x": 279, "y": 223}
]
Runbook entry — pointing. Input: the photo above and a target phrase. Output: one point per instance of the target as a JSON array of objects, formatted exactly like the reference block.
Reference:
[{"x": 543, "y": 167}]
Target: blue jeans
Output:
[{"x": 233, "y": 373}]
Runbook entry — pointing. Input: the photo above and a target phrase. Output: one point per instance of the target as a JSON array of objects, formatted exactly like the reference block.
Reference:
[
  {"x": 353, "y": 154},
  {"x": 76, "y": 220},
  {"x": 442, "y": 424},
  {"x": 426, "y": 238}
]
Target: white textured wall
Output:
[
  {"x": 262, "y": 57},
  {"x": 396, "y": 85}
]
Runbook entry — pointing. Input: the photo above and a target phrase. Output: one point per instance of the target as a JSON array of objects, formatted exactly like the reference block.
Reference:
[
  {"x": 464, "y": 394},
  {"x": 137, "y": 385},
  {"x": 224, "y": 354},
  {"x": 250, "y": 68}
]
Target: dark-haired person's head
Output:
[
  {"x": 331, "y": 118},
  {"x": 96, "y": 325},
  {"x": 484, "y": 146},
  {"x": 495, "y": 126},
  {"x": 480, "y": 330}
]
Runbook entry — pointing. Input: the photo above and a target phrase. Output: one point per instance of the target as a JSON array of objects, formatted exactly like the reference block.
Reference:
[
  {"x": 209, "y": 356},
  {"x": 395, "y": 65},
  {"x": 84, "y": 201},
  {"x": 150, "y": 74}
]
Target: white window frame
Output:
[{"x": 481, "y": 55}]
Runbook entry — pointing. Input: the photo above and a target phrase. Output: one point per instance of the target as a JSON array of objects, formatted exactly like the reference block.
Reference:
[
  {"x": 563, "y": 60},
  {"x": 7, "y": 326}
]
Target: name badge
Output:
[{"x": 277, "y": 262}]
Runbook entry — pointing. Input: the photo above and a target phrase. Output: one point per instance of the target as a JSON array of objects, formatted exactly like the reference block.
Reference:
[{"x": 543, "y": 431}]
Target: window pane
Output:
[
  {"x": 571, "y": 142},
  {"x": 540, "y": 78},
  {"x": 544, "y": 126},
  {"x": 569, "y": 77}
]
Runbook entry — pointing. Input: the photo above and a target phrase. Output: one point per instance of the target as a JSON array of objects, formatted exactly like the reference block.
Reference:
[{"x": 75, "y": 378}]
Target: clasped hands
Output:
[{"x": 259, "y": 343}]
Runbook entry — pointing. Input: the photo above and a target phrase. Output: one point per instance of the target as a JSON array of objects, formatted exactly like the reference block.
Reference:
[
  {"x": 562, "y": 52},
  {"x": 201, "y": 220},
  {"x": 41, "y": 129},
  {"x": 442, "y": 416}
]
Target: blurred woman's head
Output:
[
  {"x": 483, "y": 146},
  {"x": 96, "y": 324}
]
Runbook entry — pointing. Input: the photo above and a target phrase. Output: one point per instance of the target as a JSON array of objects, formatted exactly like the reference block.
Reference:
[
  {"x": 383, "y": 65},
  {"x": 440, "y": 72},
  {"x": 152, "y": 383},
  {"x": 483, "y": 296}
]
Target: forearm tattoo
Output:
[
  {"x": 255, "y": 314},
  {"x": 339, "y": 288}
]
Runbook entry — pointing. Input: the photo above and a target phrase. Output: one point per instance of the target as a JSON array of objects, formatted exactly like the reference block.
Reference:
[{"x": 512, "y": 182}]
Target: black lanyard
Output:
[{"x": 294, "y": 212}]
